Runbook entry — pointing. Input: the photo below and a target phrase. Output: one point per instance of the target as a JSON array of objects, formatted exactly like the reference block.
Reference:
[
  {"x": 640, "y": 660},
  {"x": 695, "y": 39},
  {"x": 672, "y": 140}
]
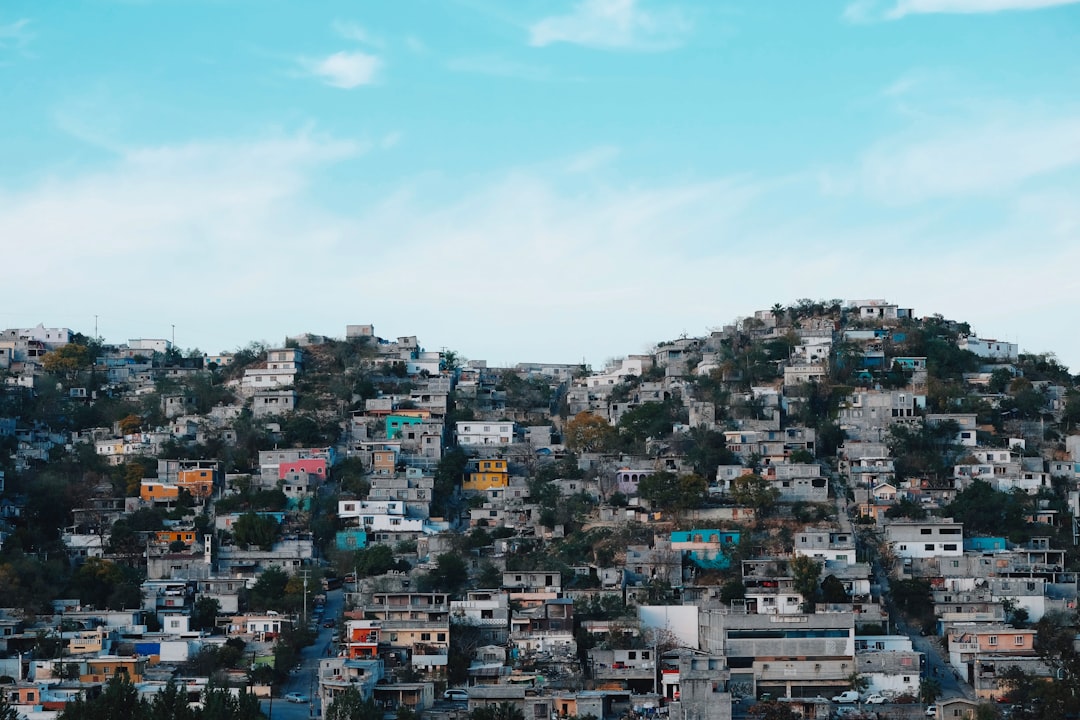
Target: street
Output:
[{"x": 305, "y": 680}]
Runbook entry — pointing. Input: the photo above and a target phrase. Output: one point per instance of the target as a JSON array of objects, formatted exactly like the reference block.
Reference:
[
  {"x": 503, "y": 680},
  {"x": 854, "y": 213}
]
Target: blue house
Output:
[
  {"x": 709, "y": 549},
  {"x": 984, "y": 544}
]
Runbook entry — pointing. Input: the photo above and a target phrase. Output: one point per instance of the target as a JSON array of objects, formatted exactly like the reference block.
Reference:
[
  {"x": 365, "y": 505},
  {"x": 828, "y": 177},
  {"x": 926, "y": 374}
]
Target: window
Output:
[
  {"x": 925, "y": 531},
  {"x": 928, "y": 546},
  {"x": 992, "y": 640},
  {"x": 949, "y": 546},
  {"x": 1018, "y": 640},
  {"x": 956, "y": 563},
  {"x": 907, "y": 678}
]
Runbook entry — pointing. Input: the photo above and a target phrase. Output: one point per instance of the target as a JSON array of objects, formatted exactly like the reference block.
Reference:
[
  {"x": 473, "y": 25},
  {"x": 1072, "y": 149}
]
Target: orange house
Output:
[
  {"x": 102, "y": 669},
  {"x": 168, "y": 537},
  {"x": 199, "y": 482},
  {"x": 363, "y": 639},
  {"x": 158, "y": 492},
  {"x": 22, "y": 695}
]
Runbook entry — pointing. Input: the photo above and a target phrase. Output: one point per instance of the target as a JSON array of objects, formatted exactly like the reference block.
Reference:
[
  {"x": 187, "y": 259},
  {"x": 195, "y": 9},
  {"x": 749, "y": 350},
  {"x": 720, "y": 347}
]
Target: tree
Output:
[
  {"x": 754, "y": 491},
  {"x": 732, "y": 590},
  {"x": 906, "y": 508},
  {"x": 805, "y": 573},
  {"x": 586, "y": 432},
  {"x": 205, "y": 613},
  {"x": 984, "y": 509},
  {"x": 7, "y": 711},
  {"x": 119, "y": 701},
  {"x": 268, "y": 592},
  {"x": 450, "y": 574},
  {"x": 929, "y": 690},
  {"x": 669, "y": 492},
  {"x": 832, "y": 590},
  {"x": 772, "y": 710},
  {"x": 67, "y": 360},
  {"x": 502, "y": 711},
  {"x": 254, "y": 529},
  {"x": 372, "y": 561},
  {"x": 350, "y": 705},
  {"x": 130, "y": 423},
  {"x": 859, "y": 683},
  {"x": 707, "y": 450}
]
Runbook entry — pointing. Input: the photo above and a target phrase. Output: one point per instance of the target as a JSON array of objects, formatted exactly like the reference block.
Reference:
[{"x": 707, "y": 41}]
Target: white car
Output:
[
  {"x": 875, "y": 699},
  {"x": 295, "y": 697},
  {"x": 456, "y": 694},
  {"x": 848, "y": 696},
  {"x": 931, "y": 711}
]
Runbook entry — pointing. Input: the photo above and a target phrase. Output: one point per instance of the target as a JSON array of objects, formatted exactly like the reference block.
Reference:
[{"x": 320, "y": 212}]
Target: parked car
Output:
[
  {"x": 456, "y": 694},
  {"x": 875, "y": 699},
  {"x": 295, "y": 697},
  {"x": 848, "y": 696},
  {"x": 329, "y": 624},
  {"x": 931, "y": 711}
]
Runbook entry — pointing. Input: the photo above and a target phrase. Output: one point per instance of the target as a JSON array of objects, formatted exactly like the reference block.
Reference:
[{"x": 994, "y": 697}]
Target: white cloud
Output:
[
  {"x": 498, "y": 66},
  {"x": 873, "y": 10},
  {"x": 356, "y": 33},
  {"x": 233, "y": 241},
  {"x": 344, "y": 69},
  {"x": 592, "y": 159},
  {"x": 613, "y": 24},
  {"x": 969, "y": 160},
  {"x": 16, "y": 34}
]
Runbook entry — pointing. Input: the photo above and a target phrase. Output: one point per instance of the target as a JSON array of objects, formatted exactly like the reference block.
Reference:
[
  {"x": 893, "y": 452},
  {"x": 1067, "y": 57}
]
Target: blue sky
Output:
[{"x": 526, "y": 180}]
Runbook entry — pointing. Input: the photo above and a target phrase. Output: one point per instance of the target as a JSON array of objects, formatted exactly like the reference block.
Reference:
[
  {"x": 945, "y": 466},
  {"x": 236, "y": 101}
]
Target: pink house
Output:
[{"x": 311, "y": 466}]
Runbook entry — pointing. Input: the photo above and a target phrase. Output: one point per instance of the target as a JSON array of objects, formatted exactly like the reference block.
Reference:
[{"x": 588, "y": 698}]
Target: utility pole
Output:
[{"x": 304, "y": 617}]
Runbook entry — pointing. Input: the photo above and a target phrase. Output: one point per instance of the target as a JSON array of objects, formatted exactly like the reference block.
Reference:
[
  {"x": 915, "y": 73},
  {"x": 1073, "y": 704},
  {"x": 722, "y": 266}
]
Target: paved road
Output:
[
  {"x": 306, "y": 680},
  {"x": 936, "y": 660}
]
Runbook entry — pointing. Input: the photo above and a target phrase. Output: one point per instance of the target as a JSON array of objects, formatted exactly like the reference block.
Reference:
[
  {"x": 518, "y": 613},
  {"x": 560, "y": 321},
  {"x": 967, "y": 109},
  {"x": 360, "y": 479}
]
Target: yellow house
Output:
[
  {"x": 158, "y": 492},
  {"x": 489, "y": 474}
]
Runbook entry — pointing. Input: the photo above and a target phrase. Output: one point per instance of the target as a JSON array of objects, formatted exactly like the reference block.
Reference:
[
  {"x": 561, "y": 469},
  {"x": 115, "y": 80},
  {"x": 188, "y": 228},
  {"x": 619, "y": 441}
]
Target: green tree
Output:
[
  {"x": 205, "y": 612},
  {"x": 449, "y": 575},
  {"x": 7, "y": 711},
  {"x": 171, "y": 703},
  {"x": 929, "y": 690},
  {"x": 906, "y": 508},
  {"x": 732, "y": 590},
  {"x": 772, "y": 710},
  {"x": 350, "y": 705},
  {"x": 502, "y": 711},
  {"x": 858, "y": 683},
  {"x": 254, "y": 529},
  {"x": 805, "y": 573},
  {"x": 669, "y": 492},
  {"x": 832, "y": 590},
  {"x": 754, "y": 491},
  {"x": 707, "y": 451},
  {"x": 268, "y": 592},
  {"x": 118, "y": 701},
  {"x": 375, "y": 560}
]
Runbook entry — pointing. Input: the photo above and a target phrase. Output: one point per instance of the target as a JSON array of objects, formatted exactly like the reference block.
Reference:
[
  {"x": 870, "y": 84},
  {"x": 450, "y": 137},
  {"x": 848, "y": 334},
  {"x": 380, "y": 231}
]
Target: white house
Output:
[
  {"x": 484, "y": 432},
  {"x": 990, "y": 348},
  {"x": 924, "y": 539}
]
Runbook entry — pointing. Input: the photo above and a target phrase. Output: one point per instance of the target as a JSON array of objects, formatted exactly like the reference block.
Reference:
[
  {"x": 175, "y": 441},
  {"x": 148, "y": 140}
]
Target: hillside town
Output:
[{"x": 827, "y": 509}]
